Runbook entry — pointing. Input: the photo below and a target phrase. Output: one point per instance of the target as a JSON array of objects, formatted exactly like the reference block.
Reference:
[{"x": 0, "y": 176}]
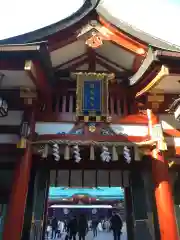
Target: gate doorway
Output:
[
  {"x": 96, "y": 205},
  {"x": 85, "y": 191},
  {"x": 137, "y": 211}
]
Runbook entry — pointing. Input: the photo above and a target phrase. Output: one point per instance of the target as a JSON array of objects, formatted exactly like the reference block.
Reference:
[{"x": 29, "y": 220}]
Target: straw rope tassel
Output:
[
  {"x": 127, "y": 154},
  {"x": 55, "y": 152},
  {"x": 92, "y": 155},
  {"x": 66, "y": 153},
  {"x": 105, "y": 155},
  {"x": 76, "y": 152},
  {"x": 114, "y": 154}
]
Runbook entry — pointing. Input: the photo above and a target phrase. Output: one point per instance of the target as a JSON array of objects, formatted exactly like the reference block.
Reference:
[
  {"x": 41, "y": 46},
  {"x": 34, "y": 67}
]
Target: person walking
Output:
[
  {"x": 59, "y": 229},
  {"x": 72, "y": 228},
  {"x": 48, "y": 230},
  {"x": 82, "y": 227},
  {"x": 54, "y": 226},
  {"x": 116, "y": 225},
  {"x": 94, "y": 227}
]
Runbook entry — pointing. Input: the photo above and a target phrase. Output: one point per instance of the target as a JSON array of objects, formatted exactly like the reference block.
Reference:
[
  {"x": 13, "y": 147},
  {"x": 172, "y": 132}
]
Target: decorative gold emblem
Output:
[
  {"x": 92, "y": 127},
  {"x": 95, "y": 40}
]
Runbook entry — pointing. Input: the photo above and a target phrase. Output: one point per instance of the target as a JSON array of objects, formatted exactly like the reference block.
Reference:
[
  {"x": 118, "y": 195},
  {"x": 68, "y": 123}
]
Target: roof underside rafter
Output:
[
  {"x": 69, "y": 49},
  {"x": 91, "y": 62},
  {"x": 159, "y": 72},
  {"x": 131, "y": 53},
  {"x": 110, "y": 56},
  {"x": 25, "y": 66}
]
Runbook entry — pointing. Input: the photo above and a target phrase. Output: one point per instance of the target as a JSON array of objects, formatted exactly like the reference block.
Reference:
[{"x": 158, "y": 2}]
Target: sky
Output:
[
  {"x": 152, "y": 16},
  {"x": 159, "y": 18},
  {"x": 19, "y": 16}
]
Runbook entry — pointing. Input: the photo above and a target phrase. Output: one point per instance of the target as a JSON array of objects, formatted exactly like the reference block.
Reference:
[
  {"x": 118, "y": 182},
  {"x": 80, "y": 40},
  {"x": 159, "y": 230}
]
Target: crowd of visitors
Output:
[{"x": 68, "y": 230}]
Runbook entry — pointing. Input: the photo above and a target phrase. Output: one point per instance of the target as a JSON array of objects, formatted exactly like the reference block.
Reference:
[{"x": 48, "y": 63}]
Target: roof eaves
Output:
[
  {"x": 87, "y": 7},
  {"x": 154, "y": 56},
  {"x": 143, "y": 68},
  {"x": 22, "y": 47},
  {"x": 134, "y": 32}
]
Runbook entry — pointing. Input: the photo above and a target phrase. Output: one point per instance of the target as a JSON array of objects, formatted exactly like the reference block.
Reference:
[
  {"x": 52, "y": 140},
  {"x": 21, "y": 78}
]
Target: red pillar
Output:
[
  {"x": 17, "y": 201},
  {"x": 163, "y": 191}
]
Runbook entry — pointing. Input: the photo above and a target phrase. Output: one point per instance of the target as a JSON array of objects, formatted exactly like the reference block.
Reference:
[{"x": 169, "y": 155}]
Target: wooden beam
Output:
[
  {"x": 123, "y": 40},
  {"x": 100, "y": 57},
  {"x": 118, "y": 89},
  {"x": 106, "y": 65},
  {"x": 65, "y": 74},
  {"x": 137, "y": 63},
  {"x": 6, "y": 129},
  {"x": 144, "y": 78},
  {"x": 99, "y": 138},
  {"x": 87, "y": 164},
  {"x": 91, "y": 59},
  {"x": 62, "y": 43},
  {"x": 12, "y": 96},
  {"x": 37, "y": 75},
  {"x": 74, "y": 66},
  {"x": 12, "y": 64},
  {"x": 69, "y": 33},
  {"x": 164, "y": 71},
  {"x": 10, "y": 149},
  {"x": 71, "y": 62}
]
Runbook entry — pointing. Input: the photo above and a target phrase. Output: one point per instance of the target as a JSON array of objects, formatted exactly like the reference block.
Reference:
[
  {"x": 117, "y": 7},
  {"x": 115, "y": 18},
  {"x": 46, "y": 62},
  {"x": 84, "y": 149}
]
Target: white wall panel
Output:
[
  {"x": 14, "y": 118},
  {"x": 53, "y": 128},
  {"x": 130, "y": 130}
]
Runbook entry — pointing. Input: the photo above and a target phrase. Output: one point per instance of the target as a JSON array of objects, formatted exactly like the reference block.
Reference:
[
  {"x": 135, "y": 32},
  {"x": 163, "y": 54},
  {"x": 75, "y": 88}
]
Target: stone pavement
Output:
[
  {"x": 101, "y": 235},
  {"x": 104, "y": 236}
]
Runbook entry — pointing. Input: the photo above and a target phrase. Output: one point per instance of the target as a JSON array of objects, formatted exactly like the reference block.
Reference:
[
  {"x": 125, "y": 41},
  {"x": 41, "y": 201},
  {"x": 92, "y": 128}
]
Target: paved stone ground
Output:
[
  {"x": 101, "y": 235},
  {"x": 105, "y": 236}
]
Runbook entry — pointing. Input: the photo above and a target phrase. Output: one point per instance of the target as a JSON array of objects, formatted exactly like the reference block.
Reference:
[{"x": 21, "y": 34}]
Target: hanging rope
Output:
[
  {"x": 76, "y": 154},
  {"x": 55, "y": 152},
  {"x": 127, "y": 154},
  {"x": 105, "y": 155},
  {"x": 85, "y": 143}
]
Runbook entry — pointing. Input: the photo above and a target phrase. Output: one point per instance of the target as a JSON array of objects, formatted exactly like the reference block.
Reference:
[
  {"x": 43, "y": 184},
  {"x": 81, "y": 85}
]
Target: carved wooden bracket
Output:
[{"x": 28, "y": 94}]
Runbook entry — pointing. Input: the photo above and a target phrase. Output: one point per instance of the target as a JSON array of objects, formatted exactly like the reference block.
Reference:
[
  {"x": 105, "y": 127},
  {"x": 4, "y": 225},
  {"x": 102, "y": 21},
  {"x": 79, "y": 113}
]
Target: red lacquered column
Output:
[
  {"x": 163, "y": 190},
  {"x": 17, "y": 201}
]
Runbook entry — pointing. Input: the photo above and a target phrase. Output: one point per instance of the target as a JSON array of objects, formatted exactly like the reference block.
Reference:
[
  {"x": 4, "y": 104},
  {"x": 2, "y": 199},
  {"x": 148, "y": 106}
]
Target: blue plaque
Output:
[{"x": 92, "y": 97}]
